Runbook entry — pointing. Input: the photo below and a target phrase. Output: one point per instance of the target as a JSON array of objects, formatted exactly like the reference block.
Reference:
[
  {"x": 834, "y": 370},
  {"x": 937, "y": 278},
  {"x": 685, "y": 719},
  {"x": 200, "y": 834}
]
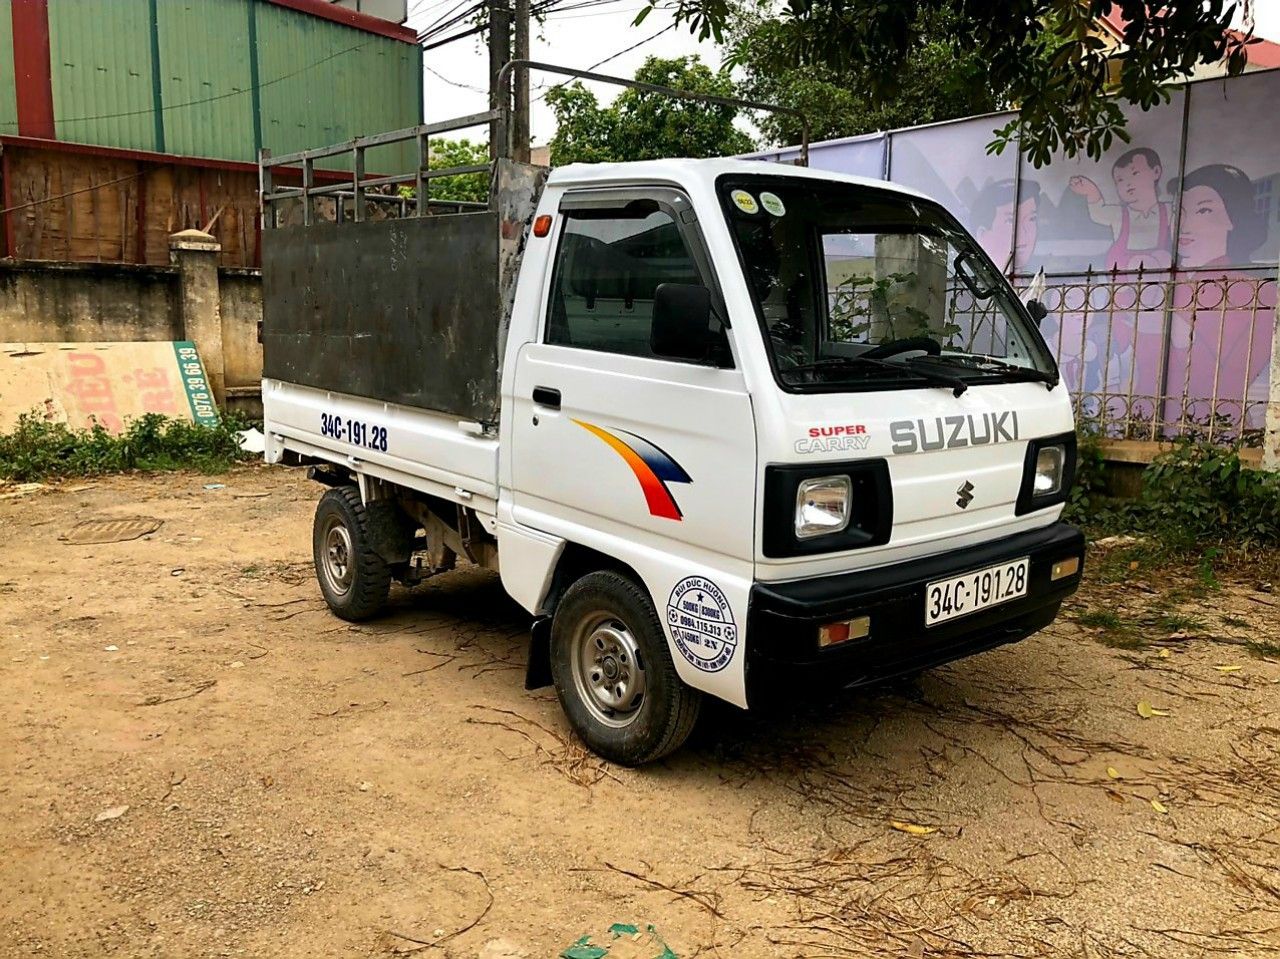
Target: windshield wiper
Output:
[
  {"x": 977, "y": 363},
  {"x": 958, "y": 386}
]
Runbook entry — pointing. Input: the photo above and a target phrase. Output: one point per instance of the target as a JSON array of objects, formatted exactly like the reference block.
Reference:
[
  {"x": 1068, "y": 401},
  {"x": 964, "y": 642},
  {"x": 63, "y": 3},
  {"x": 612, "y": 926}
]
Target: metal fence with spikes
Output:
[{"x": 1159, "y": 356}]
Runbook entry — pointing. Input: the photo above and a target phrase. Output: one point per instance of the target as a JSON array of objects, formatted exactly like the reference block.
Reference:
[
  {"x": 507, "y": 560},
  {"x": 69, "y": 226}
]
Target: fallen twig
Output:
[
  {"x": 175, "y": 779},
  {"x": 445, "y": 660},
  {"x": 158, "y": 700},
  {"x": 571, "y": 759},
  {"x": 434, "y": 943},
  {"x": 352, "y": 708},
  {"x": 708, "y": 901}
]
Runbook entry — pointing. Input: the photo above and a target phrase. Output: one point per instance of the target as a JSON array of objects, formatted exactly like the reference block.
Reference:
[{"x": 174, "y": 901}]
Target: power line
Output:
[
  {"x": 435, "y": 30},
  {"x": 599, "y": 13},
  {"x": 457, "y": 36},
  {"x": 668, "y": 27},
  {"x": 442, "y": 17},
  {"x": 450, "y": 19},
  {"x": 563, "y": 7},
  {"x": 418, "y": 5},
  {"x": 614, "y": 56},
  {"x": 453, "y": 83}
]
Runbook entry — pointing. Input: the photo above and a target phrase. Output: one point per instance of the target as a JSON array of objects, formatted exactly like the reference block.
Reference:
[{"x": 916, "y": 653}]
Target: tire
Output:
[
  {"x": 354, "y": 579},
  {"x": 604, "y": 629}
]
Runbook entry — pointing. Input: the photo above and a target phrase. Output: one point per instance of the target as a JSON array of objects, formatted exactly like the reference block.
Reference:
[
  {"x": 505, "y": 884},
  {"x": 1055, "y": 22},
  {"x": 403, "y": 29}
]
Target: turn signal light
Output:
[
  {"x": 1064, "y": 568},
  {"x": 833, "y": 633},
  {"x": 542, "y": 225}
]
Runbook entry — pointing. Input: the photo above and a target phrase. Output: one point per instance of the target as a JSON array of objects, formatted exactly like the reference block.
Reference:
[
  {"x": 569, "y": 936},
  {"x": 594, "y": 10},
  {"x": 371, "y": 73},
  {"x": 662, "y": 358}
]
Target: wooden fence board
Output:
[{"x": 91, "y": 208}]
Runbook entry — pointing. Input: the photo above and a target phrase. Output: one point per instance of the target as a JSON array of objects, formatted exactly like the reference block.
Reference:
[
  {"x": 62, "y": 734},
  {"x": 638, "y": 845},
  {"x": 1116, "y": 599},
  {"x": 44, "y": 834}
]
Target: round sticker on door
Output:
[
  {"x": 701, "y": 623},
  {"x": 744, "y": 201},
  {"x": 772, "y": 203}
]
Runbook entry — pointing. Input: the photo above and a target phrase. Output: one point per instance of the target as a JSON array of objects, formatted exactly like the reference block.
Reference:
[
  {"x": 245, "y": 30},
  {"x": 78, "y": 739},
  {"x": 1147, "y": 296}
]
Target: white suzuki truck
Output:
[{"x": 716, "y": 424}]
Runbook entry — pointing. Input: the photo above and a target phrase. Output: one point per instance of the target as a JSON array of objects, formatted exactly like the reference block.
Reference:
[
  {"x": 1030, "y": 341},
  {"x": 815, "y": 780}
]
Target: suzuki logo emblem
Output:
[{"x": 964, "y": 495}]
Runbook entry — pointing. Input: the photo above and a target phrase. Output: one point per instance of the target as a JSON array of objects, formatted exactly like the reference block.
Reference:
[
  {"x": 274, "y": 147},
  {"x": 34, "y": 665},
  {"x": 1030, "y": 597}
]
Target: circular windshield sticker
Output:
[
  {"x": 772, "y": 203},
  {"x": 744, "y": 201}
]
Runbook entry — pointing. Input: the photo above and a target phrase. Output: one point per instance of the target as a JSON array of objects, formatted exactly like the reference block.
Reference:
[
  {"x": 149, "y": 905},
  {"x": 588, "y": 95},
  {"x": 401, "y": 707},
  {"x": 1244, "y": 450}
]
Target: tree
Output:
[
  {"x": 644, "y": 126},
  {"x": 1043, "y": 55},
  {"x": 466, "y": 186},
  {"x": 942, "y": 78}
]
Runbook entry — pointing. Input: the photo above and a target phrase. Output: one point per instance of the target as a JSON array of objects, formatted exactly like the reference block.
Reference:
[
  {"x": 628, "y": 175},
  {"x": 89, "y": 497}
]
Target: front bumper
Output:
[{"x": 783, "y": 618}]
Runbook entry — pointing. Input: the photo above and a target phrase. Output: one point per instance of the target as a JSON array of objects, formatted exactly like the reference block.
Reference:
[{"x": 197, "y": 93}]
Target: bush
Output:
[
  {"x": 38, "y": 449},
  {"x": 1195, "y": 496},
  {"x": 1198, "y": 494},
  {"x": 1089, "y": 504}
]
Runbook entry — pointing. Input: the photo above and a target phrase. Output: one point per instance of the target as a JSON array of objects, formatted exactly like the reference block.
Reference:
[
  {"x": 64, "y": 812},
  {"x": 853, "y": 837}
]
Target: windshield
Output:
[{"x": 860, "y": 288}]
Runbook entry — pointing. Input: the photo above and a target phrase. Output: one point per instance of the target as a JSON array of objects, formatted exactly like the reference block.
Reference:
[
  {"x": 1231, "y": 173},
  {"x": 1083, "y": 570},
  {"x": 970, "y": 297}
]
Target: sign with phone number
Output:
[
  {"x": 368, "y": 436},
  {"x": 199, "y": 394}
]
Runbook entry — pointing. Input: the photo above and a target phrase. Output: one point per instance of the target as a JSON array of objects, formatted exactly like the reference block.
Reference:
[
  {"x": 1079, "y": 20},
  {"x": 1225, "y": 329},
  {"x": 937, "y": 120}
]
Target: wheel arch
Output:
[{"x": 575, "y": 561}]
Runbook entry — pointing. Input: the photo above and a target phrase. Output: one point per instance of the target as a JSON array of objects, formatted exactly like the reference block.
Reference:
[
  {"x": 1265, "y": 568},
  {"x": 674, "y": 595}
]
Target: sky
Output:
[
  {"x": 457, "y": 74},
  {"x": 1266, "y": 19},
  {"x": 574, "y": 38}
]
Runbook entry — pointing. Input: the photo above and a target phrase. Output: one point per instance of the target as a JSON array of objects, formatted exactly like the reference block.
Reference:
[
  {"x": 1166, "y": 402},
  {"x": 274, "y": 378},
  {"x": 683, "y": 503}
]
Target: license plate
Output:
[{"x": 983, "y": 588}]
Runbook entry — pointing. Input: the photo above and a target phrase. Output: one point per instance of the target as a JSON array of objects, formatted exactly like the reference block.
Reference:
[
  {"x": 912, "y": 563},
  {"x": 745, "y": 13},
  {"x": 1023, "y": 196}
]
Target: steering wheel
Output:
[{"x": 911, "y": 344}]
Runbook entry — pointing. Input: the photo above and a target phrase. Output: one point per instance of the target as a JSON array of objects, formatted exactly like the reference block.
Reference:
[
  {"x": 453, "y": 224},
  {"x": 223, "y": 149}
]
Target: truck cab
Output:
[{"x": 753, "y": 425}]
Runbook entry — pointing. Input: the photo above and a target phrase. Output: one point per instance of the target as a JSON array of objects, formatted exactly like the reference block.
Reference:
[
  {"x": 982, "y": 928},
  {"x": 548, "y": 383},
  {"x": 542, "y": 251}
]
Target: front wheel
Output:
[
  {"x": 613, "y": 672},
  {"x": 354, "y": 579}
]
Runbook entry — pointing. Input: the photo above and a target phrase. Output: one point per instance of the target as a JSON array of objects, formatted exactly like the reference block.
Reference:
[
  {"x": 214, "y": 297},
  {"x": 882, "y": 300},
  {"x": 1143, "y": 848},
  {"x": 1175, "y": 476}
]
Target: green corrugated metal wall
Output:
[
  {"x": 370, "y": 83},
  {"x": 206, "y": 62},
  {"x": 319, "y": 82},
  {"x": 101, "y": 68},
  {"x": 8, "y": 88}
]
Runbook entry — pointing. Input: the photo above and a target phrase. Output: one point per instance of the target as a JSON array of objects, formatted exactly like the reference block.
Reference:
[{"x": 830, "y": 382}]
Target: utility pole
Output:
[
  {"x": 499, "y": 53},
  {"x": 520, "y": 126}
]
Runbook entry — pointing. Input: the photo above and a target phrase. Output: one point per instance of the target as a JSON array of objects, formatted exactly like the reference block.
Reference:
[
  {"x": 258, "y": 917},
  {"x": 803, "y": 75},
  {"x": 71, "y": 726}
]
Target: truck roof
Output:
[{"x": 686, "y": 171}]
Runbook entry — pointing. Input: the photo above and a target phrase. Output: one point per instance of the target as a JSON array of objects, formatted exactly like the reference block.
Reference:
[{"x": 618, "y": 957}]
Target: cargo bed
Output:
[{"x": 423, "y": 450}]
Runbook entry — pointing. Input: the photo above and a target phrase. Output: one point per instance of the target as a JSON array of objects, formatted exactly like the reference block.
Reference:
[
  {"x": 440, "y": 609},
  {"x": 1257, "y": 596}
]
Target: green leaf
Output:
[{"x": 857, "y": 66}]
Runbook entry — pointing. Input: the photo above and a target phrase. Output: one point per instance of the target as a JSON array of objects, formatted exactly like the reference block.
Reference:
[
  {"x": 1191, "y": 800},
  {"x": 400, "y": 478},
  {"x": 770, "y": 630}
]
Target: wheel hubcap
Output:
[
  {"x": 608, "y": 670},
  {"x": 338, "y": 568}
]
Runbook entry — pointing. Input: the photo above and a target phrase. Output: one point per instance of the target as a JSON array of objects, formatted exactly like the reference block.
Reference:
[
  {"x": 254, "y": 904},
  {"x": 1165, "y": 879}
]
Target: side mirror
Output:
[
  {"x": 975, "y": 276},
  {"x": 681, "y": 321},
  {"x": 1037, "y": 310}
]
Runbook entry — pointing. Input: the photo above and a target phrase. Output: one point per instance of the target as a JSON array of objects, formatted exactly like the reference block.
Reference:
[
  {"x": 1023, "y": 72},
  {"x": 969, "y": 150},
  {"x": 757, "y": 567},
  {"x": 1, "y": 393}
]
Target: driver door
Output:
[
  {"x": 646, "y": 458},
  {"x": 593, "y": 389}
]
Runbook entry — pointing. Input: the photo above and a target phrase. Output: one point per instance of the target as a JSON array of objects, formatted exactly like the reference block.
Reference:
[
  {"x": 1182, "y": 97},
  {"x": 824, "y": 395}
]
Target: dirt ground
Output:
[{"x": 296, "y": 786}]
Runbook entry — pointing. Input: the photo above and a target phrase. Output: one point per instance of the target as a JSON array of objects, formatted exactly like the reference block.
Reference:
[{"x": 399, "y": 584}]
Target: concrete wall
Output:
[
  {"x": 80, "y": 302},
  {"x": 240, "y": 293},
  {"x": 46, "y": 302}
]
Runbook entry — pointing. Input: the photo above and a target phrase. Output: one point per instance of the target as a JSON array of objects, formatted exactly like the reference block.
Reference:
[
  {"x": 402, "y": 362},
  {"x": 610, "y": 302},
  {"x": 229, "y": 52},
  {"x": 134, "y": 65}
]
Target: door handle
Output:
[{"x": 546, "y": 396}]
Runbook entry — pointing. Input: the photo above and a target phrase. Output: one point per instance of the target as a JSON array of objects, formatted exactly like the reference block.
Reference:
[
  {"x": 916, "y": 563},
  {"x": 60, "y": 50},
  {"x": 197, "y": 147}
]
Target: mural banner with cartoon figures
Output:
[{"x": 1157, "y": 261}]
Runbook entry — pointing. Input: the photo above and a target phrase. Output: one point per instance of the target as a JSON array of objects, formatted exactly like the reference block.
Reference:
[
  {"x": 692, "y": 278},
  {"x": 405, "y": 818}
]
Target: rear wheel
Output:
[
  {"x": 613, "y": 672},
  {"x": 354, "y": 579}
]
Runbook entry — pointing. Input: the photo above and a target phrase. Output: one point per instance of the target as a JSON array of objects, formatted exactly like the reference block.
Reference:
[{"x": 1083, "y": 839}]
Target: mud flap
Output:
[
  {"x": 537, "y": 673},
  {"x": 390, "y": 531}
]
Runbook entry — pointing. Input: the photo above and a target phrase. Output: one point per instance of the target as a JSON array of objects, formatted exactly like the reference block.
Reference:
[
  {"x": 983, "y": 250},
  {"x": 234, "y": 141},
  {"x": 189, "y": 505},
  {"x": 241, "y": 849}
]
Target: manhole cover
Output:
[{"x": 109, "y": 530}]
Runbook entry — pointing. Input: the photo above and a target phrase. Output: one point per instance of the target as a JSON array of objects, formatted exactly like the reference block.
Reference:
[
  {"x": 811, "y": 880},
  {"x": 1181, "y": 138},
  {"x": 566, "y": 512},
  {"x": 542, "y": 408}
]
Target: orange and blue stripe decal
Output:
[{"x": 653, "y": 468}]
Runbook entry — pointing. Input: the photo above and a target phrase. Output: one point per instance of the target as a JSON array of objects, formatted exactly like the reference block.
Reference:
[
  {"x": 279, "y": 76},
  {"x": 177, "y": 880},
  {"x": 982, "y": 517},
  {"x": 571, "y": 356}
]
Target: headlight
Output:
[
  {"x": 1047, "y": 473},
  {"x": 1049, "y": 463},
  {"x": 822, "y": 506}
]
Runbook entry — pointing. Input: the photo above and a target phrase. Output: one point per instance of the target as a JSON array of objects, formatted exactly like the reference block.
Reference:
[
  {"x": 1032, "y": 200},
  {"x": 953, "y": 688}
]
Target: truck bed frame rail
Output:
[{"x": 362, "y": 190}]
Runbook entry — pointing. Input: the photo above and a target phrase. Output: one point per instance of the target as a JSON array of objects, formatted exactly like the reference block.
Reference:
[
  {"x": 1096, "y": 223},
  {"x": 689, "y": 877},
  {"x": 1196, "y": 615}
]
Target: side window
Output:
[{"x": 608, "y": 266}]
